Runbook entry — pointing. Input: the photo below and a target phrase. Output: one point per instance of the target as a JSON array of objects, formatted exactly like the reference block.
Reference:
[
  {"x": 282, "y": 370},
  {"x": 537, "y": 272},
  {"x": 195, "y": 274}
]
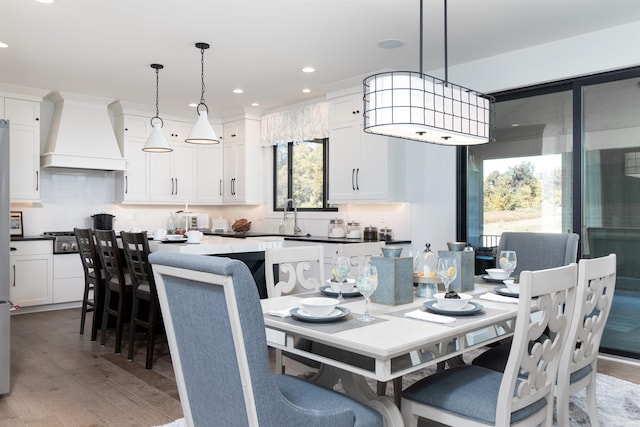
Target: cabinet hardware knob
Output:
[{"x": 37, "y": 118}]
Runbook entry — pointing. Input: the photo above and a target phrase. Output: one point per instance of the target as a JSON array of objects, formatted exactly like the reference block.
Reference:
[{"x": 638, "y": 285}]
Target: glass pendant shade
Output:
[
  {"x": 157, "y": 142},
  {"x": 202, "y": 132},
  {"x": 420, "y": 107}
]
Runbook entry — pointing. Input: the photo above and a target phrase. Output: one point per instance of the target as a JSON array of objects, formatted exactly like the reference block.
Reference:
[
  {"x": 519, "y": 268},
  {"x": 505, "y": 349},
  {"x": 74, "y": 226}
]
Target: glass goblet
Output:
[
  {"x": 367, "y": 282},
  {"x": 447, "y": 270},
  {"x": 508, "y": 261},
  {"x": 340, "y": 272}
]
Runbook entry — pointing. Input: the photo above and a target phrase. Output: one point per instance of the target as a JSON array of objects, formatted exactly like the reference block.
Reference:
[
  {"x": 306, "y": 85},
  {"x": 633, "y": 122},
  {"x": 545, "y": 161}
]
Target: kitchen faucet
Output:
[{"x": 296, "y": 229}]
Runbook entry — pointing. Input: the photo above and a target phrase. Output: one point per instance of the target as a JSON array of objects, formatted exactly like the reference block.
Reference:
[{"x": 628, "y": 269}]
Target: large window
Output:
[
  {"x": 300, "y": 174},
  {"x": 566, "y": 158}
]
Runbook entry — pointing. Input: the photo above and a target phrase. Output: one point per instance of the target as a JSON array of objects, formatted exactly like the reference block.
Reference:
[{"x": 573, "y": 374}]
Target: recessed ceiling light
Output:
[
  {"x": 255, "y": 104},
  {"x": 390, "y": 44},
  {"x": 515, "y": 125},
  {"x": 193, "y": 104},
  {"x": 3, "y": 45},
  {"x": 45, "y": 1},
  {"x": 238, "y": 91},
  {"x": 308, "y": 70},
  {"x": 306, "y": 90}
]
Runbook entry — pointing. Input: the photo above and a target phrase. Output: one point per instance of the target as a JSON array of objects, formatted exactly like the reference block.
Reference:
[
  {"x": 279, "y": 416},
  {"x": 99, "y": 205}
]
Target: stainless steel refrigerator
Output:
[{"x": 4, "y": 257}]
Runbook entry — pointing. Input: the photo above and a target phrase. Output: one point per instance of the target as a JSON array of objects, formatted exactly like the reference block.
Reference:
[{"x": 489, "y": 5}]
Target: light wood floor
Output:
[{"x": 61, "y": 378}]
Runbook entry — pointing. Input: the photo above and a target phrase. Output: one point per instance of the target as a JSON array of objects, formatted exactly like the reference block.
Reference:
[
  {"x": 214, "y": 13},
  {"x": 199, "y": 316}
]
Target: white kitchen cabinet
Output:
[
  {"x": 24, "y": 117},
  {"x": 68, "y": 278},
  {"x": 243, "y": 162},
  {"x": 363, "y": 167},
  {"x": 132, "y": 183},
  {"x": 31, "y": 275},
  {"x": 209, "y": 176}
]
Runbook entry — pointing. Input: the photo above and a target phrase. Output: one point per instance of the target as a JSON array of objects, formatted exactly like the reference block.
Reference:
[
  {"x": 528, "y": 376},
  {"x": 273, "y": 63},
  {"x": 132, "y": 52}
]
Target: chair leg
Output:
[
  {"x": 119, "y": 323},
  {"x": 592, "y": 407},
  {"x": 98, "y": 308},
  {"x": 105, "y": 316},
  {"x": 83, "y": 311},
  {"x": 151, "y": 334},
  {"x": 132, "y": 328},
  {"x": 397, "y": 391},
  {"x": 381, "y": 388}
]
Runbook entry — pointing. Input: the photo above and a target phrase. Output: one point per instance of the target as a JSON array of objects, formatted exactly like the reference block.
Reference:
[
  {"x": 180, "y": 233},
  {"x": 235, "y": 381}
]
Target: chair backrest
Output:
[
  {"x": 88, "y": 255},
  {"x": 302, "y": 267},
  {"x": 216, "y": 334},
  {"x": 360, "y": 253},
  {"x": 107, "y": 248},
  {"x": 136, "y": 253},
  {"x": 540, "y": 251},
  {"x": 547, "y": 300},
  {"x": 594, "y": 296}
]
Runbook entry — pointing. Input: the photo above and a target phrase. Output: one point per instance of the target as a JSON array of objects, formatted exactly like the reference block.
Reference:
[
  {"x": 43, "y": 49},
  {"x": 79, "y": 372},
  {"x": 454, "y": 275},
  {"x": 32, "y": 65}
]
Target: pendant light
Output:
[
  {"x": 157, "y": 143},
  {"x": 413, "y": 105},
  {"x": 202, "y": 132}
]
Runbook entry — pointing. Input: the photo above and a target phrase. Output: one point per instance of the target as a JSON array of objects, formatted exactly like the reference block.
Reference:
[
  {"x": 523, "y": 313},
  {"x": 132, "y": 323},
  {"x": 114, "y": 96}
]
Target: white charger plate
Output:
[{"x": 470, "y": 308}]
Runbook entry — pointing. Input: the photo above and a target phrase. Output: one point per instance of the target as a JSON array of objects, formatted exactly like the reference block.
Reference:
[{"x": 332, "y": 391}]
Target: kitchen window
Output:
[{"x": 301, "y": 173}]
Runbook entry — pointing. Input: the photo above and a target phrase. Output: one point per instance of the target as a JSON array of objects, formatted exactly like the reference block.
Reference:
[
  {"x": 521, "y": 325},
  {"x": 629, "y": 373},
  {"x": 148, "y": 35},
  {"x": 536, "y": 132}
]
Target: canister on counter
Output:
[
  {"x": 370, "y": 234},
  {"x": 386, "y": 234},
  {"x": 354, "y": 231},
  {"x": 336, "y": 229}
]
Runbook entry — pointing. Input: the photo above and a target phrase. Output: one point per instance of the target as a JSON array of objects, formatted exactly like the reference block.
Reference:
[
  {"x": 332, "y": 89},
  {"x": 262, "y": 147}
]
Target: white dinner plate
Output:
[
  {"x": 470, "y": 308},
  {"x": 328, "y": 291},
  {"x": 504, "y": 291},
  {"x": 336, "y": 314}
]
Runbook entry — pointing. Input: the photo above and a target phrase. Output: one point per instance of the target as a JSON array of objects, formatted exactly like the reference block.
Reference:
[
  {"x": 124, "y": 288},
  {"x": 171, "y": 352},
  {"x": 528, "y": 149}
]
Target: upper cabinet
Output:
[
  {"x": 24, "y": 118},
  {"x": 190, "y": 173},
  {"x": 363, "y": 168},
  {"x": 243, "y": 162}
]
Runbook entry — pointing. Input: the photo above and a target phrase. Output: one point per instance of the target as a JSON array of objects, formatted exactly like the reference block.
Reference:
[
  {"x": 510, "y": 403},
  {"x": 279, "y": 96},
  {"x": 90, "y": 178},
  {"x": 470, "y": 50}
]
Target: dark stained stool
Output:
[{"x": 93, "y": 280}]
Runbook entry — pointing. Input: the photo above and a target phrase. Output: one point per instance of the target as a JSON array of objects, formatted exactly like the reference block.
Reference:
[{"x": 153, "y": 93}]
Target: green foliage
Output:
[
  {"x": 517, "y": 188},
  {"x": 306, "y": 177}
]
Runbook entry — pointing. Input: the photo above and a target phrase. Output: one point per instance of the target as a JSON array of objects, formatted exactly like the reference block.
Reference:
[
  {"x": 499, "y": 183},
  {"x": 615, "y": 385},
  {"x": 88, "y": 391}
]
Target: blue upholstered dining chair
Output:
[
  {"x": 578, "y": 365},
  {"x": 522, "y": 395},
  {"x": 216, "y": 335},
  {"x": 539, "y": 251}
]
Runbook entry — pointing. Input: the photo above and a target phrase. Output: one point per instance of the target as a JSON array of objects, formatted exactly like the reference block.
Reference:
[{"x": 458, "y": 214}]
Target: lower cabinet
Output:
[
  {"x": 68, "y": 278},
  {"x": 31, "y": 275}
]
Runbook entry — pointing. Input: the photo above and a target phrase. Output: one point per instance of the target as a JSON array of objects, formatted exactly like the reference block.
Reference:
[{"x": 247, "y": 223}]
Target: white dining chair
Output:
[
  {"x": 473, "y": 395},
  {"x": 578, "y": 365},
  {"x": 300, "y": 267},
  {"x": 360, "y": 253}
]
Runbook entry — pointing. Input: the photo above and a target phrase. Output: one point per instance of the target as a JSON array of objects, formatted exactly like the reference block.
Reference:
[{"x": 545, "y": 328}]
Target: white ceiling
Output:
[{"x": 104, "y": 47}]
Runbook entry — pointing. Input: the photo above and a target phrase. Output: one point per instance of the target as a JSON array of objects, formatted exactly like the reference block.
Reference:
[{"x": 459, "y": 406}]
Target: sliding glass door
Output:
[
  {"x": 611, "y": 200},
  {"x": 566, "y": 159}
]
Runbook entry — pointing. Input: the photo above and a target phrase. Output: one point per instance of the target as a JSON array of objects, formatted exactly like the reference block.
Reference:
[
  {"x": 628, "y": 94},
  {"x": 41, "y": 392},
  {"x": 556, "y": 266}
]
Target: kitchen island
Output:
[{"x": 249, "y": 250}]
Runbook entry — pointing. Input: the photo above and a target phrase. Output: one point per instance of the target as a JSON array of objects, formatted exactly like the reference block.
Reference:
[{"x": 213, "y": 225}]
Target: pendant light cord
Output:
[
  {"x": 421, "y": 41},
  {"x": 157, "y": 67},
  {"x": 446, "y": 59},
  {"x": 202, "y": 75}
]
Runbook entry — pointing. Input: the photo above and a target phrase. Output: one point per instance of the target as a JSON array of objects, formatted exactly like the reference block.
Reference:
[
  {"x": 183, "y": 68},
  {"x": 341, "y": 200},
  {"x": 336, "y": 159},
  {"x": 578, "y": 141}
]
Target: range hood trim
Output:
[{"x": 82, "y": 134}]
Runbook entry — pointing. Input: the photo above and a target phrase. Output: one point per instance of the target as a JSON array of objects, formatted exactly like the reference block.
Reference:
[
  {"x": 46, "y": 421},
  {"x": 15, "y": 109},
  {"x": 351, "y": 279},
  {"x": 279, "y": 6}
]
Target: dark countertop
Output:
[
  {"x": 301, "y": 238},
  {"x": 27, "y": 238}
]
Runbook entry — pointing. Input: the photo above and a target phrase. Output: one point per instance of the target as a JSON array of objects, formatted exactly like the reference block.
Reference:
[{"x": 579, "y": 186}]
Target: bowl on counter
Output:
[
  {"x": 496, "y": 273},
  {"x": 318, "y": 307},
  {"x": 175, "y": 237},
  {"x": 456, "y": 246},
  {"x": 391, "y": 251},
  {"x": 452, "y": 303}
]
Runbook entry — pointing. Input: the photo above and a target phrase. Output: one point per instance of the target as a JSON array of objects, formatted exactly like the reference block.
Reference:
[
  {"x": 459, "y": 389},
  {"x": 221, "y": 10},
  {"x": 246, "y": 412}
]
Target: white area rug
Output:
[{"x": 618, "y": 405}]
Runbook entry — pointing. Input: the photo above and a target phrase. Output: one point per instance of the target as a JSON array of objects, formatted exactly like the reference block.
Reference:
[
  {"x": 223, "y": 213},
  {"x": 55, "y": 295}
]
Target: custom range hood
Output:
[{"x": 81, "y": 134}]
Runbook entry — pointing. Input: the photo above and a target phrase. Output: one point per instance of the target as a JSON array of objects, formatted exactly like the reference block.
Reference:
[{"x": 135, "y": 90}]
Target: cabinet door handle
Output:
[
  {"x": 353, "y": 179},
  {"x": 14, "y": 275},
  {"x": 172, "y": 186},
  {"x": 220, "y": 186},
  {"x": 358, "y": 179},
  {"x": 37, "y": 180},
  {"x": 126, "y": 184},
  {"x": 176, "y": 186}
]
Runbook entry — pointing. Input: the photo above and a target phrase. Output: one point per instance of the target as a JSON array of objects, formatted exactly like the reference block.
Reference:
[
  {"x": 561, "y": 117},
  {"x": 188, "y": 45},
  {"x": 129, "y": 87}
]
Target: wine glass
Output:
[
  {"x": 447, "y": 270},
  {"x": 340, "y": 272},
  {"x": 508, "y": 261},
  {"x": 367, "y": 282}
]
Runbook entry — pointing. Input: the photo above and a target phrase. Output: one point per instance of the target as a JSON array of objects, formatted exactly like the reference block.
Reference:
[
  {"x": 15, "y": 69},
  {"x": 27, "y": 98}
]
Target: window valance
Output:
[{"x": 297, "y": 124}]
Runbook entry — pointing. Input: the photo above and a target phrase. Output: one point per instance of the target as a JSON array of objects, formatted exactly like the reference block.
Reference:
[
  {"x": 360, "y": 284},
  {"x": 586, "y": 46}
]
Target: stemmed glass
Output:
[
  {"x": 340, "y": 272},
  {"x": 447, "y": 270},
  {"x": 367, "y": 282},
  {"x": 508, "y": 261}
]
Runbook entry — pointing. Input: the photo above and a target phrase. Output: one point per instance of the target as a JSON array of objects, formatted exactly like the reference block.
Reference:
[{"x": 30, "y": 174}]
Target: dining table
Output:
[{"x": 401, "y": 340}]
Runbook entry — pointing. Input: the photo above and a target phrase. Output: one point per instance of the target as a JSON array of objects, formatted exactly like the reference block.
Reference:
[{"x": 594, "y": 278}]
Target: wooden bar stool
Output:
[
  {"x": 136, "y": 252},
  {"x": 93, "y": 280},
  {"x": 117, "y": 282}
]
